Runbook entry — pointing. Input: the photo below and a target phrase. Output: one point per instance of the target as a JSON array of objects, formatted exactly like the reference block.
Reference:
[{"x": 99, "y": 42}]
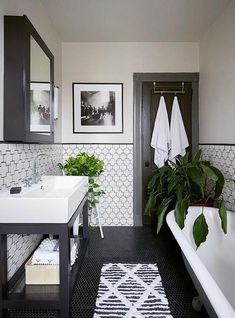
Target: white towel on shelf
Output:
[
  {"x": 178, "y": 136},
  {"x": 73, "y": 254},
  {"x": 46, "y": 254},
  {"x": 49, "y": 245},
  {"x": 161, "y": 135},
  {"x": 76, "y": 226}
]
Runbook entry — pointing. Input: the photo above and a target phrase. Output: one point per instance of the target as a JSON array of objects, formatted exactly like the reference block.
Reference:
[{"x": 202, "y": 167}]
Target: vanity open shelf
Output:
[{"x": 15, "y": 294}]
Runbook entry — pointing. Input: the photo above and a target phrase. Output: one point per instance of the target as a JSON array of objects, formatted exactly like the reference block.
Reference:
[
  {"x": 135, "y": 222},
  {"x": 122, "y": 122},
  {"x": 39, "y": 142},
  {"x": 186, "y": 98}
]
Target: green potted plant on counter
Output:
[
  {"x": 187, "y": 182},
  {"x": 84, "y": 164}
]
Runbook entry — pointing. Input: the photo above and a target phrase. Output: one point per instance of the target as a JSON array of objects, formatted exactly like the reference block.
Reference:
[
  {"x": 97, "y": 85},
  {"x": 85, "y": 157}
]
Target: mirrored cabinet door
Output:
[
  {"x": 32, "y": 75},
  {"x": 40, "y": 90}
]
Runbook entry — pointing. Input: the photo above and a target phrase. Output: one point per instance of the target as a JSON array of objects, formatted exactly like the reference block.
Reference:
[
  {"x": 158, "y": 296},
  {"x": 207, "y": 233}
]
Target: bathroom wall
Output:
[
  {"x": 16, "y": 164},
  {"x": 39, "y": 18},
  {"x": 223, "y": 157},
  {"x": 116, "y": 63},
  {"x": 217, "y": 80},
  {"x": 217, "y": 98},
  {"x": 116, "y": 205}
]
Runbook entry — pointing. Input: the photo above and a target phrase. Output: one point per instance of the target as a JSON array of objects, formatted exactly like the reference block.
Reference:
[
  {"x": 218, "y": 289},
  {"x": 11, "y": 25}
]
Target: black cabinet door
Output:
[{"x": 28, "y": 83}]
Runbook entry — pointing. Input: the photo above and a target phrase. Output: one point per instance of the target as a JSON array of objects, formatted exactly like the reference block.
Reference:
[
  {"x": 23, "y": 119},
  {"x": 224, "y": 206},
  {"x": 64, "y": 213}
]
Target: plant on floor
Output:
[
  {"x": 84, "y": 164},
  {"x": 187, "y": 182}
]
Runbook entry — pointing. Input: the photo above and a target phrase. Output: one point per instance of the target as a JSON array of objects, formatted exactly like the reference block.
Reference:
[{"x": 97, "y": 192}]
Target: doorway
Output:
[{"x": 146, "y": 101}]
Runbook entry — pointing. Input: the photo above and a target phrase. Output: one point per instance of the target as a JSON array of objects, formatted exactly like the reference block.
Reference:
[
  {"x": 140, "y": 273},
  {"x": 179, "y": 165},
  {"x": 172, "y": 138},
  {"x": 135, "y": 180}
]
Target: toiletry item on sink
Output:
[
  {"x": 15, "y": 190},
  {"x": 48, "y": 253}
]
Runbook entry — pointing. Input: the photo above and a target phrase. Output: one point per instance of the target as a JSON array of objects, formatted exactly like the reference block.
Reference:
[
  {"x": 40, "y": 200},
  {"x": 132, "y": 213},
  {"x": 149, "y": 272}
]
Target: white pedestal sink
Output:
[{"x": 53, "y": 200}]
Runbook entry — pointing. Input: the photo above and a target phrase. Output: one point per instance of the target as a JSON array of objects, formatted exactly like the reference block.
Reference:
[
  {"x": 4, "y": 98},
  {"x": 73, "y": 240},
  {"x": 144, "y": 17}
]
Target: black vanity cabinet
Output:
[
  {"x": 28, "y": 83},
  {"x": 15, "y": 294}
]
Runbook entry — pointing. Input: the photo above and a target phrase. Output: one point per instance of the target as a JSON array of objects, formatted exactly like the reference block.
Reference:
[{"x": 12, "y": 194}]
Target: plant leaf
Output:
[
  {"x": 153, "y": 180},
  {"x": 197, "y": 157},
  {"x": 223, "y": 216},
  {"x": 181, "y": 210},
  {"x": 200, "y": 230},
  {"x": 84, "y": 164},
  {"x": 196, "y": 176},
  {"x": 185, "y": 158},
  {"x": 173, "y": 183},
  {"x": 219, "y": 183},
  {"x": 162, "y": 211},
  {"x": 209, "y": 172},
  {"x": 151, "y": 204}
]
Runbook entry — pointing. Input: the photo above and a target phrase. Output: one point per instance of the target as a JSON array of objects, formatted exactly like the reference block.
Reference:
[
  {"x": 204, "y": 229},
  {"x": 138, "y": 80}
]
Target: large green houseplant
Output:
[
  {"x": 84, "y": 164},
  {"x": 177, "y": 185}
]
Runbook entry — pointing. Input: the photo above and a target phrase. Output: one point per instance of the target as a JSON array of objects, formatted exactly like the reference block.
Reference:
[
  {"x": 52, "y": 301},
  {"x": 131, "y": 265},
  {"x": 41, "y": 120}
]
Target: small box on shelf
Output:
[{"x": 41, "y": 274}]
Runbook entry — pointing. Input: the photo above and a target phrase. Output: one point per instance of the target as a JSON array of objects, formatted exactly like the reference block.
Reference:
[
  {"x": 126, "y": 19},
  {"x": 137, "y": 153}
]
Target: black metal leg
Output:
[
  {"x": 65, "y": 291},
  {"x": 3, "y": 272},
  {"x": 4, "y": 313},
  {"x": 85, "y": 220}
]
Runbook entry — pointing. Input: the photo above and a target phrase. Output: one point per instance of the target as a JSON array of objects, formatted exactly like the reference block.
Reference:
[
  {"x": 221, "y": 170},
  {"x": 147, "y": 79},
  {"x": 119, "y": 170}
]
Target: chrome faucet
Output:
[
  {"x": 36, "y": 175},
  {"x": 28, "y": 182}
]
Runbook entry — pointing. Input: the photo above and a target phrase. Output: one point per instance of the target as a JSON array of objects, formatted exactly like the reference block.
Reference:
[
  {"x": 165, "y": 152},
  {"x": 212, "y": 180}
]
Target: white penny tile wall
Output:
[
  {"x": 16, "y": 164},
  {"x": 19, "y": 247},
  {"x": 223, "y": 157},
  {"x": 116, "y": 206}
]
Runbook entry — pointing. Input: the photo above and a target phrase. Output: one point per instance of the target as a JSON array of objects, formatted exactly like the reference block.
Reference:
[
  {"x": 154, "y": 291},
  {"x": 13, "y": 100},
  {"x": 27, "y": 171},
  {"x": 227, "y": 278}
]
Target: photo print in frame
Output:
[
  {"x": 97, "y": 108},
  {"x": 40, "y": 114}
]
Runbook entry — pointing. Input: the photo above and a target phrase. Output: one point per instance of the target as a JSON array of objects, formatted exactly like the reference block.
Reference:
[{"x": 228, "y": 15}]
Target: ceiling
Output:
[{"x": 132, "y": 20}]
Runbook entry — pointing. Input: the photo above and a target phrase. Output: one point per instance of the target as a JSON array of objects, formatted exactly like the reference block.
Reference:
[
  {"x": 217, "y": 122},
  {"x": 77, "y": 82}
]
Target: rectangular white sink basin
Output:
[{"x": 53, "y": 200}]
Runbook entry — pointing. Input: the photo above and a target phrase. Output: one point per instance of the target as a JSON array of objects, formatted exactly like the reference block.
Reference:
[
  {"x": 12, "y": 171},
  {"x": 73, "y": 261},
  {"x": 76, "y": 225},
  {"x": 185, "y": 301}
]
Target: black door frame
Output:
[{"x": 138, "y": 80}]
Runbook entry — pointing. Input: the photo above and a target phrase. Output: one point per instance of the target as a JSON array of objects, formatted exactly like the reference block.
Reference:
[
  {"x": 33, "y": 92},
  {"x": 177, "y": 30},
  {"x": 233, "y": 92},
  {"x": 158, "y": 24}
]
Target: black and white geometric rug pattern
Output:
[{"x": 131, "y": 291}]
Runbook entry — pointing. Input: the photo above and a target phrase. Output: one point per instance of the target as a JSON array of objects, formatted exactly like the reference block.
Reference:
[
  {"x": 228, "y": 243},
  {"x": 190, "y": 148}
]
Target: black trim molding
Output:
[{"x": 216, "y": 144}]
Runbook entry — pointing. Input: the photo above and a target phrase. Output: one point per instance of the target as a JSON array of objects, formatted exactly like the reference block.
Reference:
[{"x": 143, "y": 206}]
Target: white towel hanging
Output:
[
  {"x": 161, "y": 135},
  {"x": 178, "y": 137}
]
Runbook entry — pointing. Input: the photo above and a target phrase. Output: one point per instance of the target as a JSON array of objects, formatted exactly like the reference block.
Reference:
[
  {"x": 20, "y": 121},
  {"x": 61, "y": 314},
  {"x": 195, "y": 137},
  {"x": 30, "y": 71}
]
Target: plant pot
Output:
[{"x": 209, "y": 203}]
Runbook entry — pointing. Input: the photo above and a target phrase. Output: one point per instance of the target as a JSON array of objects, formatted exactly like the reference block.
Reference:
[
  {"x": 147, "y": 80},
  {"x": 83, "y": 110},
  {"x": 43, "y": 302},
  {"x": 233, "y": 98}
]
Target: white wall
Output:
[
  {"x": 39, "y": 18},
  {"x": 217, "y": 80},
  {"x": 116, "y": 62}
]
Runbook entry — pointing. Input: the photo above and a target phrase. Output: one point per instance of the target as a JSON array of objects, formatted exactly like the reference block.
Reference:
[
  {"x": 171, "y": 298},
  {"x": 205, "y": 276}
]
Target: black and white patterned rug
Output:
[{"x": 131, "y": 291}]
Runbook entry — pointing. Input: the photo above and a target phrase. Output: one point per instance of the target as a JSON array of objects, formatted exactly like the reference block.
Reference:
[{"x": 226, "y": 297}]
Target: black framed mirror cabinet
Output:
[{"x": 28, "y": 83}]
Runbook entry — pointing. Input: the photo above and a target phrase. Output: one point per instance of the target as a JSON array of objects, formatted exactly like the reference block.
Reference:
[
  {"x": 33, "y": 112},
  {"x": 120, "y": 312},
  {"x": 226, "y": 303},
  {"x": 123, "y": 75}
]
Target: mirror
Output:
[
  {"x": 28, "y": 83},
  {"x": 40, "y": 91}
]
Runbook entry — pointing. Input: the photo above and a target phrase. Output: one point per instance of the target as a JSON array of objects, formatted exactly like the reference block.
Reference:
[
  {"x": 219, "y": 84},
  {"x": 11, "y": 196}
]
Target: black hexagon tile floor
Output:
[{"x": 129, "y": 245}]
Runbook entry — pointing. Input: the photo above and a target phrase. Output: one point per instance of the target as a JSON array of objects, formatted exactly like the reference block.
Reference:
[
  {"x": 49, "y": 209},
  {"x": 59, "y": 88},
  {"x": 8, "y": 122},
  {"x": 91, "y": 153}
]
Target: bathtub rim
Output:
[{"x": 218, "y": 301}]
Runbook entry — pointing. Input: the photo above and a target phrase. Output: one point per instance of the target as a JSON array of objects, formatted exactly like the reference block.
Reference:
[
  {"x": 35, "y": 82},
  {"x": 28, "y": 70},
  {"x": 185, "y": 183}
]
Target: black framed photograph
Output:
[
  {"x": 97, "y": 108},
  {"x": 40, "y": 114}
]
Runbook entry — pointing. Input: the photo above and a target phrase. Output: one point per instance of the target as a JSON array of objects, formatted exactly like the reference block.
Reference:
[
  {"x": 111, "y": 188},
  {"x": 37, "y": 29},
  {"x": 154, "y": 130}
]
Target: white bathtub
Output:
[{"x": 212, "y": 266}]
